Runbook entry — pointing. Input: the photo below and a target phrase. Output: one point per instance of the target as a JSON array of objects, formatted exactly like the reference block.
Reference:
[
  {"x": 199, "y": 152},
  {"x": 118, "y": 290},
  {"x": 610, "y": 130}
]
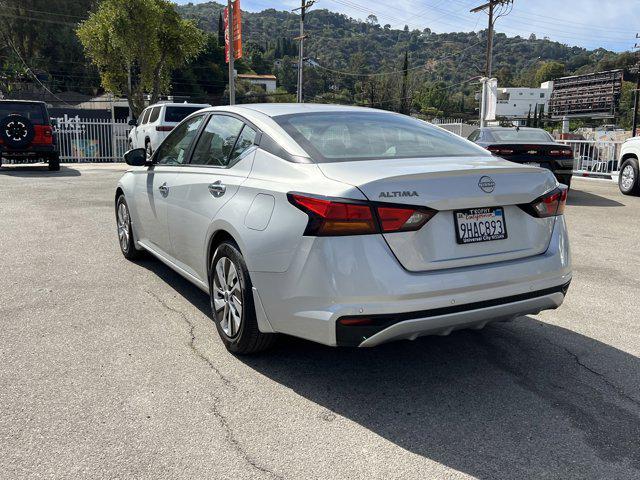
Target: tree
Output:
[
  {"x": 549, "y": 71},
  {"x": 141, "y": 39}
]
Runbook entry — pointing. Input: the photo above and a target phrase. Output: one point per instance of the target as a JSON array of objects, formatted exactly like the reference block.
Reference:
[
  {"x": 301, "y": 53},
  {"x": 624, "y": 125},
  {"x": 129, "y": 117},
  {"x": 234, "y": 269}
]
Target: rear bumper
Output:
[
  {"x": 442, "y": 321},
  {"x": 30, "y": 152},
  {"x": 333, "y": 278}
]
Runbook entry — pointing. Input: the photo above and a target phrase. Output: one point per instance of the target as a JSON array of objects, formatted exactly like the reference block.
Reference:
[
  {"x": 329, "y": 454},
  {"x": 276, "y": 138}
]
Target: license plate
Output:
[{"x": 476, "y": 225}]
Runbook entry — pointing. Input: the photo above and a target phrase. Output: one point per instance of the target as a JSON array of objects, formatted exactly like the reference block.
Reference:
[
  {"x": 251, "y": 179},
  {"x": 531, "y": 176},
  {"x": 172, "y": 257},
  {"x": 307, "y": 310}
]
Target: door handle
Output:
[
  {"x": 164, "y": 190},
  {"x": 217, "y": 188}
]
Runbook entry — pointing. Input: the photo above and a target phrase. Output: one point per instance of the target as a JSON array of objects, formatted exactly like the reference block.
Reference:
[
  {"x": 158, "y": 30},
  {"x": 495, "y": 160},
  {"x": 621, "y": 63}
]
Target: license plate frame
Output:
[{"x": 484, "y": 214}]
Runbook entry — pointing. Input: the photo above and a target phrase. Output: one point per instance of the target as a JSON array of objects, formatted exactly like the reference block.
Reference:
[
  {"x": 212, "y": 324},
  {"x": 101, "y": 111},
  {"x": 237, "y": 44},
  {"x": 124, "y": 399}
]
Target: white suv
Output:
[
  {"x": 629, "y": 179},
  {"x": 156, "y": 121}
]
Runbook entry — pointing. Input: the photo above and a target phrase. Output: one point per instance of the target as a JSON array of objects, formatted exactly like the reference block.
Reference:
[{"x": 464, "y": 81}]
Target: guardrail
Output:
[
  {"x": 594, "y": 158},
  {"x": 91, "y": 140}
]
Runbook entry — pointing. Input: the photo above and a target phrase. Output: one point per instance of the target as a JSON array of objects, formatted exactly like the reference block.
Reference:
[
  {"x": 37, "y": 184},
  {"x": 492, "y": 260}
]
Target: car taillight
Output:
[
  {"x": 47, "y": 131},
  {"x": 334, "y": 217},
  {"x": 562, "y": 152},
  {"x": 548, "y": 205},
  {"x": 164, "y": 128},
  {"x": 499, "y": 150}
]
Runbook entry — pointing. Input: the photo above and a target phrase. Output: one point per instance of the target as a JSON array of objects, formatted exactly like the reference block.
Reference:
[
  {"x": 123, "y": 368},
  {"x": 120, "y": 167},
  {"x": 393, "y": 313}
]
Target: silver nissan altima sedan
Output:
[{"x": 342, "y": 225}]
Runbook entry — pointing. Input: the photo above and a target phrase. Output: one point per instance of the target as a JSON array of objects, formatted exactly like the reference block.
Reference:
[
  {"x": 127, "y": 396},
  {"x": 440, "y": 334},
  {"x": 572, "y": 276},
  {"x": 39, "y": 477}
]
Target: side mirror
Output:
[
  {"x": 133, "y": 122},
  {"x": 136, "y": 157}
]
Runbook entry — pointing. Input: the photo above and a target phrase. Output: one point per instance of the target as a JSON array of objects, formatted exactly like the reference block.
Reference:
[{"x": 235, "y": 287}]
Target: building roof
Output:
[{"x": 251, "y": 76}]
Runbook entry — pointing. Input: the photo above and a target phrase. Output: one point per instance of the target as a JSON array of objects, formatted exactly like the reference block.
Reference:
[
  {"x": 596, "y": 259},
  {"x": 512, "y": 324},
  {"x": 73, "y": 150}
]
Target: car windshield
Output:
[
  {"x": 32, "y": 111},
  {"x": 509, "y": 135},
  {"x": 349, "y": 136},
  {"x": 177, "y": 114}
]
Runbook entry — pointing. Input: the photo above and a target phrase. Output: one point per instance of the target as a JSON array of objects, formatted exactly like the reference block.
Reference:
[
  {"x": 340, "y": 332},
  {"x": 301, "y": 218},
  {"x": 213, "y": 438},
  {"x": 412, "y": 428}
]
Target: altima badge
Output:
[
  {"x": 486, "y": 184},
  {"x": 405, "y": 193}
]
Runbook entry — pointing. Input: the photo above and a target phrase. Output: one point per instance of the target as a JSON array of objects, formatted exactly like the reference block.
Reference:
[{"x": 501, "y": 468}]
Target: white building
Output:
[
  {"x": 268, "y": 82},
  {"x": 517, "y": 103}
]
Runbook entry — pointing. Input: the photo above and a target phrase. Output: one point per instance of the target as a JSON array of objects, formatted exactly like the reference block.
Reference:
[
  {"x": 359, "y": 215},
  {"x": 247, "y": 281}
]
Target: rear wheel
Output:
[
  {"x": 125, "y": 231},
  {"x": 565, "y": 179},
  {"x": 629, "y": 179},
  {"x": 232, "y": 304},
  {"x": 54, "y": 163}
]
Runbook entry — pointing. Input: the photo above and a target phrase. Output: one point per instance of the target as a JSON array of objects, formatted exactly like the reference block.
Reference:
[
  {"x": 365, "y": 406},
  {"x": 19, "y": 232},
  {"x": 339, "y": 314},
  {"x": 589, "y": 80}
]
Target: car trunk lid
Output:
[{"x": 449, "y": 185}]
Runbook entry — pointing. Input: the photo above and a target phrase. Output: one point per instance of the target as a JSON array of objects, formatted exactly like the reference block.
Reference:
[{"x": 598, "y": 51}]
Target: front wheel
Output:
[
  {"x": 125, "y": 231},
  {"x": 232, "y": 304},
  {"x": 629, "y": 179}
]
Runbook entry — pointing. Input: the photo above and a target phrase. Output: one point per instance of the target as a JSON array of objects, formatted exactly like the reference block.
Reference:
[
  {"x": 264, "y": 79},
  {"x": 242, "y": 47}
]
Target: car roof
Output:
[
  {"x": 512, "y": 128},
  {"x": 8, "y": 100},
  {"x": 277, "y": 109},
  {"x": 168, "y": 104}
]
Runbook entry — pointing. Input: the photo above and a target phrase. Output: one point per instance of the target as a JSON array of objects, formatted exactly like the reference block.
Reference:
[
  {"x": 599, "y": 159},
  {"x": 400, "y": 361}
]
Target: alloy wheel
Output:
[
  {"x": 227, "y": 296},
  {"x": 123, "y": 226},
  {"x": 628, "y": 177}
]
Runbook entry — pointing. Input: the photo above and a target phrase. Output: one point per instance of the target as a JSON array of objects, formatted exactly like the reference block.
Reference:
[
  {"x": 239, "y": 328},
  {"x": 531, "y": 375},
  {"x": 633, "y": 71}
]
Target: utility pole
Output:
[
  {"x": 491, "y": 6},
  {"x": 636, "y": 96},
  {"x": 232, "y": 80},
  {"x": 304, "y": 4}
]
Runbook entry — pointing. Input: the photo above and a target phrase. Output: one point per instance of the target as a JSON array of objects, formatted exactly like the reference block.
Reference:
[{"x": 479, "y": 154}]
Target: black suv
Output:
[{"x": 26, "y": 133}]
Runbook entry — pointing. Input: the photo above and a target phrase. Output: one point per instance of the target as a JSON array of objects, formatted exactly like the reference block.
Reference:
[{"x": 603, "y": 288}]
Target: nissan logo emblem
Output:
[{"x": 486, "y": 184}]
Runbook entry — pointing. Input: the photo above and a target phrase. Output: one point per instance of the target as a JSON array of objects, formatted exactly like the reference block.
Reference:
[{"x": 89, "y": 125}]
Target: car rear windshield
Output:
[
  {"x": 521, "y": 135},
  {"x": 350, "y": 136},
  {"x": 177, "y": 114},
  {"x": 33, "y": 111}
]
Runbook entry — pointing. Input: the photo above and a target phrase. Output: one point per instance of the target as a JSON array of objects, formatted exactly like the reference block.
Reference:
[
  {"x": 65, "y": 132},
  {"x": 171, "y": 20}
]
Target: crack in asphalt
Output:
[
  {"x": 602, "y": 376},
  {"x": 228, "y": 430}
]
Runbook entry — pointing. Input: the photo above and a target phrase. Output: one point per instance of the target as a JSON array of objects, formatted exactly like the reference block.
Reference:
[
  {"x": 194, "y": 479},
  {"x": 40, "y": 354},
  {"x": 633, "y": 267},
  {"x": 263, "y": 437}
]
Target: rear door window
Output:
[
  {"x": 145, "y": 116},
  {"x": 32, "y": 111},
  {"x": 155, "y": 113},
  {"x": 174, "y": 150}
]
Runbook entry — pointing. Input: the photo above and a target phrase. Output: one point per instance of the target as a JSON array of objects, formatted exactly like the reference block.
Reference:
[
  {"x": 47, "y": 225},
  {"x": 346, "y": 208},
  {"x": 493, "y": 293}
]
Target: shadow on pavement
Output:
[
  {"x": 37, "y": 171},
  {"x": 519, "y": 400},
  {"x": 580, "y": 198}
]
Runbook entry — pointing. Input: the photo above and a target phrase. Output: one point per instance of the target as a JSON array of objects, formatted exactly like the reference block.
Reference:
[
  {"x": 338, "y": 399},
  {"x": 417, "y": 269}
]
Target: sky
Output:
[{"x": 611, "y": 24}]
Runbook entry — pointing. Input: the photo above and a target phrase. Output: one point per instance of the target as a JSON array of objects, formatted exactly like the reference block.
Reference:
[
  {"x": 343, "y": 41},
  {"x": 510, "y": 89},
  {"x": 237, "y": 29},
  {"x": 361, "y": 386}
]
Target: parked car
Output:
[
  {"x": 629, "y": 178},
  {"x": 26, "y": 133},
  {"x": 156, "y": 121},
  {"x": 343, "y": 225},
  {"x": 529, "y": 146}
]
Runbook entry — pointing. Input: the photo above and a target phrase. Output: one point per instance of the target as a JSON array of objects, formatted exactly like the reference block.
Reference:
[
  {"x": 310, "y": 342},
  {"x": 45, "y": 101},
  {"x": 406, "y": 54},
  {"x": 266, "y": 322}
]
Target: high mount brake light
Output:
[
  {"x": 335, "y": 217},
  {"x": 550, "y": 204}
]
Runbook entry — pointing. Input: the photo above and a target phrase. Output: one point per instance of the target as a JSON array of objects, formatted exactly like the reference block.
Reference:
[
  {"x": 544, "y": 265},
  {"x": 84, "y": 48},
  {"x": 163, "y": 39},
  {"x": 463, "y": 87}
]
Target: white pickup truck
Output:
[{"x": 629, "y": 179}]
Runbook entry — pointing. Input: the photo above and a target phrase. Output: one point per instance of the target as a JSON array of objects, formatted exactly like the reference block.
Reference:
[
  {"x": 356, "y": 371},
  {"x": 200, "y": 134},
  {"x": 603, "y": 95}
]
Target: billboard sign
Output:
[{"x": 591, "y": 95}]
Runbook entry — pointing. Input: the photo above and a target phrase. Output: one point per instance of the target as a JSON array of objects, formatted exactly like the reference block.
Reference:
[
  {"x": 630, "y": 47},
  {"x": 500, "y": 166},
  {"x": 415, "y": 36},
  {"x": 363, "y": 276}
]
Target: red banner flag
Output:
[{"x": 237, "y": 31}]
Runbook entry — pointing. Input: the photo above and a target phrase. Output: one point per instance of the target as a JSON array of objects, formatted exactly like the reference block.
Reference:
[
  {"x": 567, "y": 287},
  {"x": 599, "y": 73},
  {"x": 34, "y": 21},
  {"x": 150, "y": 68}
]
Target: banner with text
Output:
[{"x": 237, "y": 31}]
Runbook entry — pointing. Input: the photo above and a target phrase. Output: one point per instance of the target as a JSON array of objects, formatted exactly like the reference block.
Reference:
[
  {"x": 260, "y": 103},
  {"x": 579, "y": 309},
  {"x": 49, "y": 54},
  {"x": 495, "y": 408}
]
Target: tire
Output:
[
  {"x": 565, "y": 180},
  {"x": 629, "y": 178},
  {"x": 235, "y": 321},
  {"x": 17, "y": 131},
  {"x": 125, "y": 230},
  {"x": 54, "y": 163}
]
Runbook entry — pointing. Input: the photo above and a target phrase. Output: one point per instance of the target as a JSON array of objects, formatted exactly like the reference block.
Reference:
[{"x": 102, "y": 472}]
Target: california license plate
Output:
[{"x": 476, "y": 225}]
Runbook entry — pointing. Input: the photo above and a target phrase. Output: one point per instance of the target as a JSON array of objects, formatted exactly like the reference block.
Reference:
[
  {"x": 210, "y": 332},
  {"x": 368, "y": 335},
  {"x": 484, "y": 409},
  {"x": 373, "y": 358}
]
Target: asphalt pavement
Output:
[{"x": 113, "y": 369}]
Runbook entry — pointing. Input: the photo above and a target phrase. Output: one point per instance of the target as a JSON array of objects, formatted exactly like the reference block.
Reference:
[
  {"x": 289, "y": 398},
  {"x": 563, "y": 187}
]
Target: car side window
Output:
[
  {"x": 217, "y": 140},
  {"x": 174, "y": 150},
  {"x": 245, "y": 141},
  {"x": 145, "y": 116},
  {"x": 155, "y": 113}
]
